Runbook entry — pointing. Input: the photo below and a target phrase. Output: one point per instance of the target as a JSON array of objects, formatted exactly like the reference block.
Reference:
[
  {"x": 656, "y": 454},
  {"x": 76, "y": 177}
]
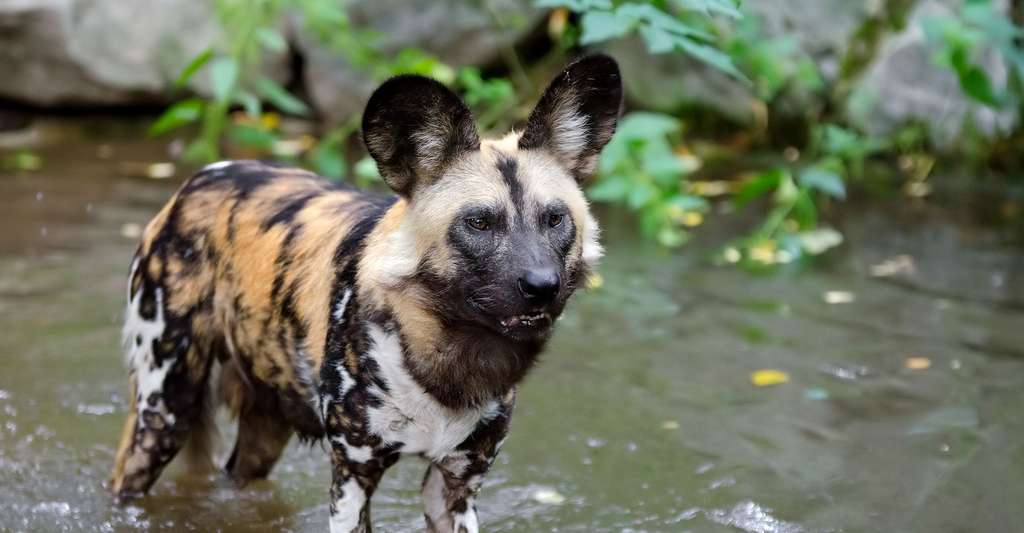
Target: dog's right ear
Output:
[{"x": 414, "y": 127}]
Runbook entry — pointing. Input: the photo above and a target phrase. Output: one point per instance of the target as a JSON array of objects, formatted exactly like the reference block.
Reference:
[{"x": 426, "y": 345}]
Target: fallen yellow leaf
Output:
[
  {"x": 595, "y": 281},
  {"x": 917, "y": 363},
  {"x": 768, "y": 377},
  {"x": 670, "y": 424}
]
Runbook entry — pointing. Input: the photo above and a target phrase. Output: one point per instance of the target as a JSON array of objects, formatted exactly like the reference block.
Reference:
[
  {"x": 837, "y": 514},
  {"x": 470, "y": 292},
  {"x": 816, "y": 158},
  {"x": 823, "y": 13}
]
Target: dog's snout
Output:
[{"x": 539, "y": 286}]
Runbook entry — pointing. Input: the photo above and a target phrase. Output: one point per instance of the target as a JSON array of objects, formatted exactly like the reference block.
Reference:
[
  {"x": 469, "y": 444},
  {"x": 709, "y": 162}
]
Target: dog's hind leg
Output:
[
  {"x": 169, "y": 369},
  {"x": 263, "y": 430}
]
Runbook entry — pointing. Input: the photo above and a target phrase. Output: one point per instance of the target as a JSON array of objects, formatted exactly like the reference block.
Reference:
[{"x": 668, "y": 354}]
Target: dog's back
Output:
[{"x": 236, "y": 270}]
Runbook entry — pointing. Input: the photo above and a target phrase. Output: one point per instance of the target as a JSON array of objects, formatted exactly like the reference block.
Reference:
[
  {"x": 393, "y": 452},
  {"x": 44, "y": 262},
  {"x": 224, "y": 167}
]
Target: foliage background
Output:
[{"x": 769, "y": 126}]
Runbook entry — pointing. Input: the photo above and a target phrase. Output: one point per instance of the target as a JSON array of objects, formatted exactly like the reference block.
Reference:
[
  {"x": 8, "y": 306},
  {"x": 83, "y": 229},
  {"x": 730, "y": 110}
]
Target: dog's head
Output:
[{"x": 495, "y": 233}]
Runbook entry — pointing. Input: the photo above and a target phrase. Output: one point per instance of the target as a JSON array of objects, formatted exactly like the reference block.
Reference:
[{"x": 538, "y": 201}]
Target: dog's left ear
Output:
[
  {"x": 577, "y": 114},
  {"x": 414, "y": 127}
]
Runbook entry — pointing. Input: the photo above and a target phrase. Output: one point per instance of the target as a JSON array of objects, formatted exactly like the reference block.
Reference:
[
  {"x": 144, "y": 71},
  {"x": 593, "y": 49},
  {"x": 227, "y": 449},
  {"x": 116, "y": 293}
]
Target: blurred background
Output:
[{"x": 809, "y": 318}]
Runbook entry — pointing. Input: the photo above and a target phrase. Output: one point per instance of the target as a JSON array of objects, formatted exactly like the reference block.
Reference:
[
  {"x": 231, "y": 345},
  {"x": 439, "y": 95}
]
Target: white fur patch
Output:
[
  {"x": 138, "y": 337},
  {"x": 352, "y": 500},
  {"x": 358, "y": 454},
  {"x": 409, "y": 414},
  {"x": 339, "y": 309},
  {"x": 345, "y": 378},
  {"x": 592, "y": 250},
  {"x": 466, "y": 520},
  {"x": 568, "y": 131},
  {"x": 219, "y": 165},
  {"x": 400, "y": 257}
]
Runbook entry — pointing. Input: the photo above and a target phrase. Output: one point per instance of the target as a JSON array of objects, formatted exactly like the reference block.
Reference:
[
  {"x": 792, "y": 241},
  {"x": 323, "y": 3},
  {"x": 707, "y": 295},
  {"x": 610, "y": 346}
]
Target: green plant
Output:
[
  {"x": 963, "y": 41},
  {"x": 236, "y": 81},
  {"x": 640, "y": 170},
  {"x": 657, "y": 24},
  {"x": 771, "y": 63},
  {"x": 235, "y": 77},
  {"x": 791, "y": 230}
]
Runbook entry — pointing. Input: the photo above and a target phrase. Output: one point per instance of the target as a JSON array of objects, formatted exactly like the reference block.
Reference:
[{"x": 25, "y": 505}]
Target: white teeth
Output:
[{"x": 522, "y": 319}]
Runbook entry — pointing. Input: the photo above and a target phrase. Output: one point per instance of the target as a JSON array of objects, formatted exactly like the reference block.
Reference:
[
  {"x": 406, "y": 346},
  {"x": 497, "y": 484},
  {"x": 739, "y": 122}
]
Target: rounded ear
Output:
[
  {"x": 414, "y": 127},
  {"x": 577, "y": 114}
]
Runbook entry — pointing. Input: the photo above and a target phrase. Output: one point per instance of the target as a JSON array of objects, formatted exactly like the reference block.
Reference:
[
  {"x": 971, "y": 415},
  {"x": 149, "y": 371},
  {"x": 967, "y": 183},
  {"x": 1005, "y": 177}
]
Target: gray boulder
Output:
[
  {"x": 903, "y": 85},
  {"x": 824, "y": 30},
  {"x": 458, "y": 32},
  {"x": 119, "y": 52},
  {"x": 98, "y": 52}
]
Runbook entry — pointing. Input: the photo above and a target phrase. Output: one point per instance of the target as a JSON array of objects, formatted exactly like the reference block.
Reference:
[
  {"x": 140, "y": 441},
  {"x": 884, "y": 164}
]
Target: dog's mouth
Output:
[
  {"x": 531, "y": 324},
  {"x": 526, "y": 324},
  {"x": 527, "y": 321}
]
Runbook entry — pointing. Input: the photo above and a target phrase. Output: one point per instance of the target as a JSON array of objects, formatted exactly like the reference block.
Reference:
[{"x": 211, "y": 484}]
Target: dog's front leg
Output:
[
  {"x": 451, "y": 483},
  {"x": 353, "y": 482}
]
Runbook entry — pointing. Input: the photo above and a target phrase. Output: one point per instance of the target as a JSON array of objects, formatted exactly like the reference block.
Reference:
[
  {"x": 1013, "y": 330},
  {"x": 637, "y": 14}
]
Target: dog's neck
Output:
[{"x": 461, "y": 365}]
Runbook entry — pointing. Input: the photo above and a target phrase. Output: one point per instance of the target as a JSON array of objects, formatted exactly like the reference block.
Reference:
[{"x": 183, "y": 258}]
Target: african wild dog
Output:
[{"x": 388, "y": 325}]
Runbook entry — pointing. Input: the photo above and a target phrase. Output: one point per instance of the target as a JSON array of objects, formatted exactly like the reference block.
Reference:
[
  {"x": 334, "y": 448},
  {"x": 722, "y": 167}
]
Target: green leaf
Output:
[
  {"x": 200, "y": 150},
  {"x": 760, "y": 185},
  {"x": 603, "y": 25},
  {"x": 574, "y": 5},
  {"x": 804, "y": 212},
  {"x": 824, "y": 180},
  {"x": 271, "y": 39},
  {"x": 252, "y": 137},
  {"x": 712, "y": 56},
  {"x": 652, "y": 219},
  {"x": 645, "y": 125},
  {"x": 662, "y": 163},
  {"x": 366, "y": 171},
  {"x": 688, "y": 202},
  {"x": 280, "y": 97},
  {"x": 609, "y": 189},
  {"x": 179, "y": 114},
  {"x": 252, "y": 105},
  {"x": 653, "y": 17},
  {"x": 707, "y": 7},
  {"x": 223, "y": 77},
  {"x": 671, "y": 236},
  {"x": 658, "y": 40},
  {"x": 975, "y": 84},
  {"x": 328, "y": 160},
  {"x": 193, "y": 66},
  {"x": 639, "y": 195}
]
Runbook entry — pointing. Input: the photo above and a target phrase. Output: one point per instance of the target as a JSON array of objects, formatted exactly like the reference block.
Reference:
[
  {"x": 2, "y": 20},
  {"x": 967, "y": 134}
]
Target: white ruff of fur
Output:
[{"x": 412, "y": 416}]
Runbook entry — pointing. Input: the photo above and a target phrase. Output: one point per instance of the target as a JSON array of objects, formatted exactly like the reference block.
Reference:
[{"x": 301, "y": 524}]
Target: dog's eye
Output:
[
  {"x": 555, "y": 219},
  {"x": 478, "y": 223}
]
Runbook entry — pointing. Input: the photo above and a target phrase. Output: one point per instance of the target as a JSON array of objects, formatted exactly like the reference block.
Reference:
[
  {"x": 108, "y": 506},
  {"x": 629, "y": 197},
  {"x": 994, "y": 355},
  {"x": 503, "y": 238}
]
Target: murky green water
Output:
[{"x": 641, "y": 416}]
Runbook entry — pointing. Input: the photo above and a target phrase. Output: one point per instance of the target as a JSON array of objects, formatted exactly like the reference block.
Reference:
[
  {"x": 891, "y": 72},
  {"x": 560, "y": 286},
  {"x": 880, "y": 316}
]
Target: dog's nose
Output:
[{"x": 539, "y": 286}]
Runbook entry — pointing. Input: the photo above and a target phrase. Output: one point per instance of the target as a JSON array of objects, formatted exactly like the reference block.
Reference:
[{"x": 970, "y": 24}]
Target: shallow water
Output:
[{"x": 641, "y": 416}]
